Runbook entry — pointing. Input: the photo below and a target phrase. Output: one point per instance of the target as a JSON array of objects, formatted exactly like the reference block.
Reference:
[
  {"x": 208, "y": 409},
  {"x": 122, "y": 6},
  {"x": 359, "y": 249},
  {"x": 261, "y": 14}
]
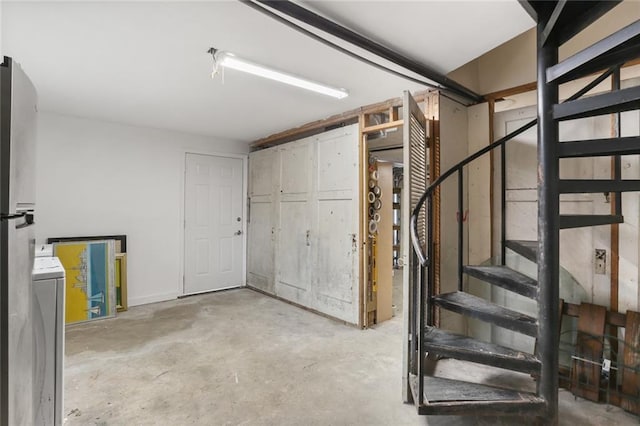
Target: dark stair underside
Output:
[
  {"x": 451, "y": 345},
  {"x": 475, "y": 307},
  {"x": 528, "y": 249},
  {"x": 454, "y": 397},
  {"x": 606, "y": 103},
  {"x": 505, "y": 277},
  {"x": 575, "y": 16},
  {"x": 618, "y": 48},
  {"x": 581, "y": 220},
  {"x": 577, "y": 186},
  {"x": 600, "y": 147}
]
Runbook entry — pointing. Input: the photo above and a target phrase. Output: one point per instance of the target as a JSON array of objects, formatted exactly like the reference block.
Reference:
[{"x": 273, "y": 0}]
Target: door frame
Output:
[{"x": 181, "y": 223}]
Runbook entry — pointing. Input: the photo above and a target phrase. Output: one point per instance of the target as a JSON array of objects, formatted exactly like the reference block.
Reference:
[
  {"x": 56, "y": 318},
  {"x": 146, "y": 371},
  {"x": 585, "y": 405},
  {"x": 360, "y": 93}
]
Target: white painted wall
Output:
[{"x": 99, "y": 178}]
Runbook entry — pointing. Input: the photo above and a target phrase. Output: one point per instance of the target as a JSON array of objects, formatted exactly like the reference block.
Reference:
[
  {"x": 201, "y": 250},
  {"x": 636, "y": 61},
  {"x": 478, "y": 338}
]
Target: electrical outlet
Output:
[{"x": 601, "y": 261}]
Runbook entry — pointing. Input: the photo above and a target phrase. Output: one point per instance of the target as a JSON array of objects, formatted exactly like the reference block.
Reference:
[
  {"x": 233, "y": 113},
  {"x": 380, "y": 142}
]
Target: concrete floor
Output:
[{"x": 239, "y": 357}]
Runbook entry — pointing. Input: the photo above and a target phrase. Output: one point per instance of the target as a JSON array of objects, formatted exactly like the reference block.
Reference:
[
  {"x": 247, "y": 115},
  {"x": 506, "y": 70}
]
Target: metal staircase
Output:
[{"x": 558, "y": 21}]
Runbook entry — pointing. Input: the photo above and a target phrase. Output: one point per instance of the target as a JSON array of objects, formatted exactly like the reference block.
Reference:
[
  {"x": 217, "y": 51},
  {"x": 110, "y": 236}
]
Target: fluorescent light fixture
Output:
[{"x": 229, "y": 60}]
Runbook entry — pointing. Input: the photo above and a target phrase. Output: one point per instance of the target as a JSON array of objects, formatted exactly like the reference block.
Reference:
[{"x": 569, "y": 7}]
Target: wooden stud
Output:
[
  {"x": 631, "y": 361},
  {"x": 432, "y": 112},
  {"x": 317, "y": 126},
  {"x": 523, "y": 88},
  {"x": 615, "y": 242},
  {"x": 363, "y": 161},
  {"x": 383, "y": 126}
]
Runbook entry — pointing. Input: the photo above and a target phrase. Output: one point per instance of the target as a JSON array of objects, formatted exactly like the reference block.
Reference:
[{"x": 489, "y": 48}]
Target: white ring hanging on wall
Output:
[
  {"x": 376, "y": 191},
  {"x": 377, "y": 204},
  {"x": 372, "y": 183},
  {"x": 376, "y": 217},
  {"x": 373, "y": 227},
  {"x": 374, "y": 175},
  {"x": 371, "y": 197},
  {"x": 372, "y": 211}
]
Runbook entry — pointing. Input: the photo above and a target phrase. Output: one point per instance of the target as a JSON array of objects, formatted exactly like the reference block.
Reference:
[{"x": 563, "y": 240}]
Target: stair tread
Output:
[
  {"x": 528, "y": 249},
  {"x": 448, "y": 396},
  {"x": 506, "y": 278},
  {"x": 476, "y": 307},
  {"x": 600, "y": 147},
  {"x": 568, "y": 221},
  {"x": 452, "y": 345},
  {"x": 605, "y": 103},
  {"x": 584, "y": 186},
  {"x": 617, "y": 48}
]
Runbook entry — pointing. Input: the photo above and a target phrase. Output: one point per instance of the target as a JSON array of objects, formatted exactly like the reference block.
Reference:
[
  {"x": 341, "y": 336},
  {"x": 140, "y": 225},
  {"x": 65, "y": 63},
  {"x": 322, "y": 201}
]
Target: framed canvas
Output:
[
  {"x": 121, "y": 240},
  {"x": 90, "y": 279}
]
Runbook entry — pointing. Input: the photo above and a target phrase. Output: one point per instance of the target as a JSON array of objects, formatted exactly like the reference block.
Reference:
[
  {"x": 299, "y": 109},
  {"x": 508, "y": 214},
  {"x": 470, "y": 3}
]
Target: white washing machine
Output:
[{"x": 48, "y": 347}]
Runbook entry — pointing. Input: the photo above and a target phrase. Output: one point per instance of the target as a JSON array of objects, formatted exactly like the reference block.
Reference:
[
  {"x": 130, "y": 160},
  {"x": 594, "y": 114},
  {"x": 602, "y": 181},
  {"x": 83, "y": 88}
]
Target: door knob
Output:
[{"x": 238, "y": 233}]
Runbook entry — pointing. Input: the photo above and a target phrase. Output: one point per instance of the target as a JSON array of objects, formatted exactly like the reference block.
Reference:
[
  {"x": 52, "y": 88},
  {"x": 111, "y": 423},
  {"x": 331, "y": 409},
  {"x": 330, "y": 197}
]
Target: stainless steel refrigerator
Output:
[{"x": 17, "y": 243}]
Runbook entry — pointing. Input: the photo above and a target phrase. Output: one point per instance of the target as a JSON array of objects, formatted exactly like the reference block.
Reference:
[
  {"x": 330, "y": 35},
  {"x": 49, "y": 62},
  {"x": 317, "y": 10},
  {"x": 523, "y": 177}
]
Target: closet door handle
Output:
[{"x": 308, "y": 238}]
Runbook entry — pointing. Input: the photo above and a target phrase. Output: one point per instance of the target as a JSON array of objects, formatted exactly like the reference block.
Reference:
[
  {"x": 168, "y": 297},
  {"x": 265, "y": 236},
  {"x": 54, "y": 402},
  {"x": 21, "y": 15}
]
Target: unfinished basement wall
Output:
[
  {"x": 99, "y": 178},
  {"x": 514, "y": 62},
  {"x": 453, "y": 149}
]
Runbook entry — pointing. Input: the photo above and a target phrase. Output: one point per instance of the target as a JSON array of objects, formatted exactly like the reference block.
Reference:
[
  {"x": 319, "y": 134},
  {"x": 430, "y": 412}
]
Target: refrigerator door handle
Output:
[
  {"x": 12, "y": 216},
  {"x": 28, "y": 218},
  {"x": 28, "y": 221}
]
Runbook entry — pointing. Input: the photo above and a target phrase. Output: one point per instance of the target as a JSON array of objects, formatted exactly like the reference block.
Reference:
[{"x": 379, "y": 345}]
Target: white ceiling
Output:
[{"x": 145, "y": 63}]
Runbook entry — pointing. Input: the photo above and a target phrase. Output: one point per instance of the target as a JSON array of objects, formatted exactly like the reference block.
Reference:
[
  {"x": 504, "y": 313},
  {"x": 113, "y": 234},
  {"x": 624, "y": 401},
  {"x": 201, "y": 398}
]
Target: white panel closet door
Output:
[
  {"x": 303, "y": 225},
  {"x": 213, "y": 223},
  {"x": 264, "y": 181},
  {"x": 293, "y": 253},
  {"x": 336, "y": 283}
]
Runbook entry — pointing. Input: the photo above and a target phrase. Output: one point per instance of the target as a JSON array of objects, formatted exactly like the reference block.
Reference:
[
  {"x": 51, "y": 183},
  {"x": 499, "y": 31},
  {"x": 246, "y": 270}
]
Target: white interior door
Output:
[{"x": 213, "y": 223}]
